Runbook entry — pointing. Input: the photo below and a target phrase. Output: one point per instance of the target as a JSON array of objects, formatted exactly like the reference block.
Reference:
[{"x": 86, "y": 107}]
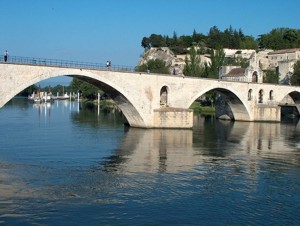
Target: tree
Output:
[
  {"x": 29, "y": 90},
  {"x": 295, "y": 79},
  {"x": 157, "y": 41},
  {"x": 193, "y": 65},
  {"x": 271, "y": 77},
  {"x": 280, "y": 38},
  {"x": 146, "y": 43},
  {"x": 155, "y": 66},
  {"x": 87, "y": 90},
  {"x": 217, "y": 60}
]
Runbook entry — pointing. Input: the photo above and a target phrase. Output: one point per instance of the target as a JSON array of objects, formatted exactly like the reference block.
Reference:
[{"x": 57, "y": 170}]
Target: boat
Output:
[
  {"x": 64, "y": 97},
  {"x": 40, "y": 97}
]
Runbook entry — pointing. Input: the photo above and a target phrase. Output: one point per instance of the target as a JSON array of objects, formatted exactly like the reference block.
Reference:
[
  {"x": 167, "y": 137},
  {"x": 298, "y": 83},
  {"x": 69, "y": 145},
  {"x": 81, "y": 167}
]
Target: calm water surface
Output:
[{"x": 67, "y": 165}]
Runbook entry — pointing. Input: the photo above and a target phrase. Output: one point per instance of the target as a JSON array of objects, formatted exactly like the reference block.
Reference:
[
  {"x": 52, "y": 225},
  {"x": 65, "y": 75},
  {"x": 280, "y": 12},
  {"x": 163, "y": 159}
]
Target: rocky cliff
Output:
[{"x": 165, "y": 54}]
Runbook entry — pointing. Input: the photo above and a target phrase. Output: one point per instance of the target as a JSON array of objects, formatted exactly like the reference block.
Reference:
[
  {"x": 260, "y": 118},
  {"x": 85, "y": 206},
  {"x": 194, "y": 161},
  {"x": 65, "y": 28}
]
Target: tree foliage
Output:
[
  {"x": 29, "y": 90},
  {"x": 271, "y": 77},
  {"x": 280, "y": 38},
  {"x": 217, "y": 58},
  {"x": 193, "y": 65},
  {"x": 229, "y": 38},
  {"x": 295, "y": 78},
  {"x": 154, "y": 66},
  {"x": 86, "y": 90}
]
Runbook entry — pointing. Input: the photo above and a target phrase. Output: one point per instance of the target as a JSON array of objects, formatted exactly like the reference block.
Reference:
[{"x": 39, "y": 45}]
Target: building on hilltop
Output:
[
  {"x": 282, "y": 61},
  {"x": 252, "y": 73}
]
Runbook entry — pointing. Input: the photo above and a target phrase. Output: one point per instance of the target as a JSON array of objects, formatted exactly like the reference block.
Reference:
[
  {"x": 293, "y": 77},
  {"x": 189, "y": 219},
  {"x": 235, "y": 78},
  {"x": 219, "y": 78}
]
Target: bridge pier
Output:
[
  {"x": 173, "y": 118},
  {"x": 270, "y": 113}
]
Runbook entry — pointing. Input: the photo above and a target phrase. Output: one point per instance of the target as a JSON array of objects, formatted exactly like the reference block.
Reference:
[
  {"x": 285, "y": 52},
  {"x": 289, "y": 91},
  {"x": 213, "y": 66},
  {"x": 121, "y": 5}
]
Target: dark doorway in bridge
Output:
[
  {"x": 254, "y": 76},
  {"x": 260, "y": 96},
  {"x": 250, "y": 94},
  {"x": 164, "y": 96},
  {"x": 271, "y": 95}
]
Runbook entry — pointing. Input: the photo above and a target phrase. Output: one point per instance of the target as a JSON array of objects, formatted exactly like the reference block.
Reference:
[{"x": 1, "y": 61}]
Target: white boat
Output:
[
  {"x": 40, "y": 97},
  {"x": 64, "y": 97}
]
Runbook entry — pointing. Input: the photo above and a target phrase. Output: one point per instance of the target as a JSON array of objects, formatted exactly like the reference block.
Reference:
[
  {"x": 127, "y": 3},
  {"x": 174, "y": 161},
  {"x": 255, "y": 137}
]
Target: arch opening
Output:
[
  {"x": 228, "y": 105},
  {"x": 271, "y": 95},
  {"x": 260, "y": 96},
  {"x": 164, "y": 96},
  {"x": 131, "y": 114},
  {"x": 254, "y": 77},
  {"x": 290, "y": 105},
  {"x": 250, "y": 94}
]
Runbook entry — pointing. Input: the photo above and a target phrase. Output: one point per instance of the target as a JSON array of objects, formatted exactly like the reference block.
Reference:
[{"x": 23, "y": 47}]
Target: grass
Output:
[{"x": 196, "y": 106}]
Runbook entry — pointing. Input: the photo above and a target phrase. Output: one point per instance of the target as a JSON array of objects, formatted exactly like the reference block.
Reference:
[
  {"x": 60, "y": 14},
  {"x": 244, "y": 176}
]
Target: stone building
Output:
[
  {"x": 283, "y": 62},
  {"x": 252, "y": 73}
]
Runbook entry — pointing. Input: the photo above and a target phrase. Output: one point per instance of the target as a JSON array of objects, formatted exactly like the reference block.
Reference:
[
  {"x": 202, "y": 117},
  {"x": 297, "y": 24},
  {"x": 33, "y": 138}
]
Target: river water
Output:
[{"x": 65, "y": 164}]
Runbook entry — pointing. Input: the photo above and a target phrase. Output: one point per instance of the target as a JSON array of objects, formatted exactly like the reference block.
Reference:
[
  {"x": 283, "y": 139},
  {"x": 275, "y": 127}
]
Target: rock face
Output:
[{"x": 165, "y": 54}]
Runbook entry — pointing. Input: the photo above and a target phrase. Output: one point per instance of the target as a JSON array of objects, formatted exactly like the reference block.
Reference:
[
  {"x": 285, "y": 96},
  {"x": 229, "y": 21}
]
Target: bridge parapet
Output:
[{"x": 64, "y": 63}]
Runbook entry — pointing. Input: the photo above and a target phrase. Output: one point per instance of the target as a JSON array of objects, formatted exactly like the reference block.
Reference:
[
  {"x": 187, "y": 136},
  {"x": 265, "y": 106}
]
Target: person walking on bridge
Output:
[{"x": 5, "y": 56}]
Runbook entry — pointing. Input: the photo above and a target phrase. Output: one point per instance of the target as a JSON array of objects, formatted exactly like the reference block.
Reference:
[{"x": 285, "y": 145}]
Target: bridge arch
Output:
[
  {"x": 232, "y": 105},
  {"x": 115, "y": 91}
]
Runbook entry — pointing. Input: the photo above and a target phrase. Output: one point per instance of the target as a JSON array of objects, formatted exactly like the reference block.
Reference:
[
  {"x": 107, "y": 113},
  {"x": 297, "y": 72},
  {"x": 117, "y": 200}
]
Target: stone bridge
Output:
[{"x": 155, "y": 100}]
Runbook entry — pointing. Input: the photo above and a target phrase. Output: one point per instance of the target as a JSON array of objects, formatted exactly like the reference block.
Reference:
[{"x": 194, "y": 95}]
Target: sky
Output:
[{"x": 101, "y": 30}]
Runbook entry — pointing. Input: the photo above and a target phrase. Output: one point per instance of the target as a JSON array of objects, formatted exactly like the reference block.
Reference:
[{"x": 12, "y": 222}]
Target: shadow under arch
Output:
[
  {"x": 291, "y": 109},
  {"x": 228, "y": 105},
  {"x": 295, "y": 96}
]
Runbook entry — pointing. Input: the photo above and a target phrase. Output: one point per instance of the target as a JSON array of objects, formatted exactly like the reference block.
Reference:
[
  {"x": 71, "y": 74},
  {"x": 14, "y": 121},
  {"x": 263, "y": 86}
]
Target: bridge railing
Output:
[{"x": 64, "y": 63}]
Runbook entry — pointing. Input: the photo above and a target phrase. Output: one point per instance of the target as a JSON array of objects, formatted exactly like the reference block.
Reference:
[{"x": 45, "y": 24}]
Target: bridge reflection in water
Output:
[{"x": 182, "y": 150}]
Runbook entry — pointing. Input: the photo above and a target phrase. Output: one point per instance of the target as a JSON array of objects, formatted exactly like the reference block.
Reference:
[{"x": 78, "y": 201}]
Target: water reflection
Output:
[
  {"x": 145, "y": 150},
  {"x": 181, "y": 150}
]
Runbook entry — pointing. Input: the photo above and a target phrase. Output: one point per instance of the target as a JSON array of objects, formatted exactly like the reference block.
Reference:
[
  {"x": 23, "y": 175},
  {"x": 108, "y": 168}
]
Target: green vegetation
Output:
[
  {"x": 271, "y": 77},
  {"x": 279, "y": 38},
  {"x": 295, "y": 79},
  {"x": 193, "y": 65},
  {"x": 194, "y": 68},
  {"x": 86, "y": 90},
  {"x": 229, "y": 38},
  {"x": 198, "y": 108},
  {"x": 154, "y": 66}
]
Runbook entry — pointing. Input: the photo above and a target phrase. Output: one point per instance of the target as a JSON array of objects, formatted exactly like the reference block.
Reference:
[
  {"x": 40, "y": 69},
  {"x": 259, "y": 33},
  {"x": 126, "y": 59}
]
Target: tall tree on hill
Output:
[
  {"x": 217, "y": 58},
  {"x": 193, "y": 65}
]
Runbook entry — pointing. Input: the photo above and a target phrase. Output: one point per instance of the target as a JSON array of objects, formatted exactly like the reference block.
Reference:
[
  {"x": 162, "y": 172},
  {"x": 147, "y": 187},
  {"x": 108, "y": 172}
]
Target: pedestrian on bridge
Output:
[
  {"x": 108, "y": 64},
  {"x": 5, "y": 56}
]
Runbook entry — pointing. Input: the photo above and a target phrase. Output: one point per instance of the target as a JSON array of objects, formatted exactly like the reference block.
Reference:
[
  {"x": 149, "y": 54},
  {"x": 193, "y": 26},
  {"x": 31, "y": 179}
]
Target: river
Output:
[{"x": 66, "y": 164}]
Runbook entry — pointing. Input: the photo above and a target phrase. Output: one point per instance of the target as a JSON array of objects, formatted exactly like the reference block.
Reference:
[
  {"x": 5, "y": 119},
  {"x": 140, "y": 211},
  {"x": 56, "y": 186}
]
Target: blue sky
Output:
[{"x": 100, "y": 30}]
